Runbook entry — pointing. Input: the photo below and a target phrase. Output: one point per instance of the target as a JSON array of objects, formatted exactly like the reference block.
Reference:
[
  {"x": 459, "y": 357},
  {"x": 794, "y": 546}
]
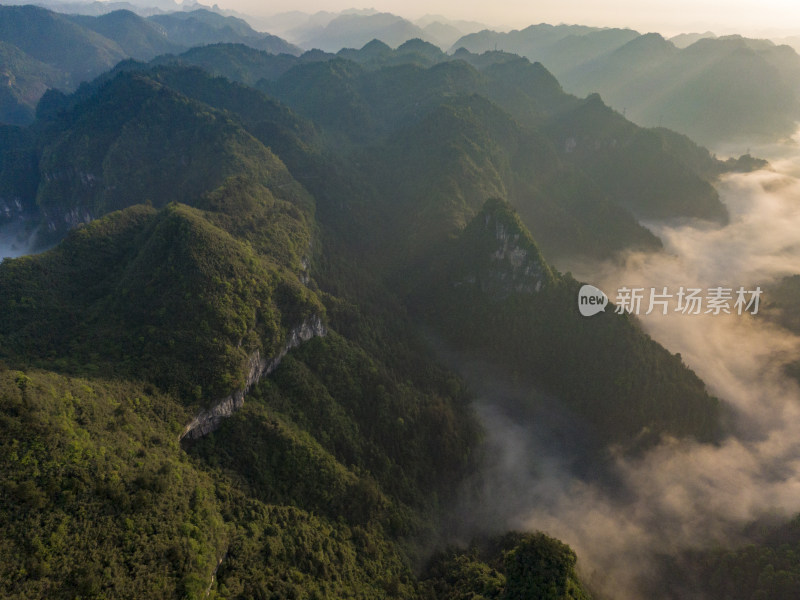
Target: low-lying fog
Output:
[
  {"x": 681, "y": 494},
  {"x": 16, "y": 240}
]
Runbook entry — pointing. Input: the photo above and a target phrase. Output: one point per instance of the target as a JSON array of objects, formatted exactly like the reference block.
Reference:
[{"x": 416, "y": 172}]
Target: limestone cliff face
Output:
[
  {"x": 10, "y": 208},
  {"x": 499, "y": 256},
  {"x": 61, "y": 219},
  {"x": 59, "y": 215},
  {"x": 517, "y": 267},
  {"x": 258, "y": 367}
]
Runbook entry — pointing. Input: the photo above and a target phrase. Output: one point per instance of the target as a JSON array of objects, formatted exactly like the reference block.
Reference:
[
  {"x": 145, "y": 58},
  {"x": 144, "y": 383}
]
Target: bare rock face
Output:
[
  {"x": 499, "y": 255},
  {"x": 210, "y": 419},
  {"x": 516, "y": 267}
]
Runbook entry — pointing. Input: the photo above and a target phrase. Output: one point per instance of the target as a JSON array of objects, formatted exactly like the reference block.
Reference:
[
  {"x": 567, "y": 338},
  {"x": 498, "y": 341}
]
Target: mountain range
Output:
[
  {"x": 713, "y": 89},
  {"x": 225, "y": 372},
  {"x": 353, "y": 29},
  {"x": 221, "y": 380},
  {"x": 42, "y": 49},
  {"x": 692, "y": 84}
]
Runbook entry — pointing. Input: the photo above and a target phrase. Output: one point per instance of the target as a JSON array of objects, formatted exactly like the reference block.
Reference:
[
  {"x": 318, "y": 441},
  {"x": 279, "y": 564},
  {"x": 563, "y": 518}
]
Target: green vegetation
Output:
[
  {"x": 322, "y": 486},
  {"x": 53, "y": 39},
  {"x": 138, "y": 38},
  {"x": 721, "y": 89},
  {"x": 200, "y": 222},
  {"x": 98, "y": 499},
  {"x": 330, "y": 480},
  {"x": 780, "y": 303},
  {"x": 764, "y": 567},
  {"x": 136, "y": 140},
  {"x": 510, "y": 567},
  {"x": 26, "y": 79},
  {"x": 239, "y": 62},
  {"x": 201, "y": 27},
  {"x": 524, "y": 316},
  {"x": 637, "y": 167},
  {"x": 41, "y": 49},
  {"x": 18, "y": 177},
  {"x": 579, "y": 173},
  {"x": 169, "y": 297}
]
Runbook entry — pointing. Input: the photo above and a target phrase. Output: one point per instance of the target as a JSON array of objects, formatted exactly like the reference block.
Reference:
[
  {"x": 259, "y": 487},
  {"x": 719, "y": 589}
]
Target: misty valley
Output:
[{"x": 459, "y": 314}]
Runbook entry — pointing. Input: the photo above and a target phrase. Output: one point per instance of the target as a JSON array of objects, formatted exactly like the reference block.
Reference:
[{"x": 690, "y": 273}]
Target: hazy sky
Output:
[{"x": 665, "y": 16}]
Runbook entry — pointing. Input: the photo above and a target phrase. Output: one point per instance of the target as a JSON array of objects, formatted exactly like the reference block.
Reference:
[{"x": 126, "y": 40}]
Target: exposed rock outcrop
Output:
[
  {"x": 10, "y": 208},
  {"x": 209, "y": 420},
  {"x": 64, "y": 219},
  {"x": 518, "y": 268},
  {"x": 499, "y": 255}
]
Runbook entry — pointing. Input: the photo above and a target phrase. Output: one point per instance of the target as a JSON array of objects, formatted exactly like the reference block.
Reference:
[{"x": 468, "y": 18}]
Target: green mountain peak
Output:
[{"x": 502, "y": 257}]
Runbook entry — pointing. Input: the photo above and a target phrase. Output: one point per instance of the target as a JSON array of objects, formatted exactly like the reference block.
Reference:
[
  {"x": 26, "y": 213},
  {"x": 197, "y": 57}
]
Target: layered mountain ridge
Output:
[{"x": 262, "y": 262}]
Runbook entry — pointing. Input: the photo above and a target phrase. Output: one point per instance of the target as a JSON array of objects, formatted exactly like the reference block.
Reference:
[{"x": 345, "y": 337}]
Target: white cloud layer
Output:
[{"x": 681, "y": 495}]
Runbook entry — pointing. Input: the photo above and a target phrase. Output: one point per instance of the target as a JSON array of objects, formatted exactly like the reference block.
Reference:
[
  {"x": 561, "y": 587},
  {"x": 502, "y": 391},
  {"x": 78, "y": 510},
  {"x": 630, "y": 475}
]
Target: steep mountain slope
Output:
[
  {"x": 52, "y": 189},
  {"x": 578, "y": 49},
  {"x": 636, "y": 166},
  {"x": 18, "y": 174},
  {"x": 239, "y": 62},
  {"x": 441, "y": 34},
  {"x": 524, "y": 42},
  {"x": 139, "y": 38},
  {"x": 201, "y": 27},
  {"x": 471, "y": 126},
  {"x": 226, "y": 390},
  {"x": 165, "y": 313},
  {"x": 500, "y": 568},
  {"x": 354, "y": 30},
  {"x": 103, "y": 162},
  {"x": 764, "y": 567},
  {"x": 682, "y": 40},
  {"x": 714, "y": 89},
  {"x": 577, "y": 171},
  {"x": 25, "y": 80},
  {"x": 603, "y": 368},
  {"x": 41, "y": 49},
  {"x": 97, "y": 497},
  {"x": 435, "y": 175},
  {"x": 58, "y": 42},
  {"x": 121, "y": 312},
  {"x": 115, "y": 506},
  {"x": 559, "y": 192},
  {"x": 265, "y": 208},
  {"x": 622, "y": 66}
]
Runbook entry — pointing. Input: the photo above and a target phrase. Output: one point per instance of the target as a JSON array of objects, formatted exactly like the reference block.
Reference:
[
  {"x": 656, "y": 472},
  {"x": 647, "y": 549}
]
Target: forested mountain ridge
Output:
[
  {"x": 381, "y": 104},
  {"x": 26, "y": 80},
  {"x": 340, "y": 197},
  {"x": 108, "y": 140},
  {"x": 724, "y": 89},
  {"x": 42, "y": 49},
  {"x": 587, "y": 171},
  {"x": 697, "y": 89},
  {"x": 170, "y": 304},
  {"x": 200, "y": 27},
  {"x": 137, "y": 37},
  {"x": 495, "y": 275},
  {"x": 462, "y": 150},
  {"x": 763, "y": 567}
]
